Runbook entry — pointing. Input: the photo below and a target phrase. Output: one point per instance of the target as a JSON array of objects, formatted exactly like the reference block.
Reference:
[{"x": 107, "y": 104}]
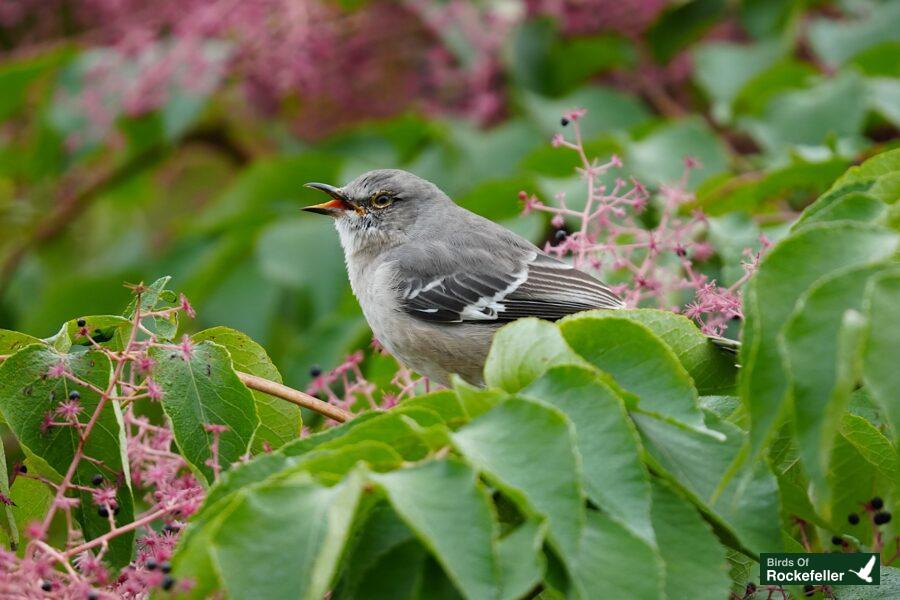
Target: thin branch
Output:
[{"x": 297, "y": 397}]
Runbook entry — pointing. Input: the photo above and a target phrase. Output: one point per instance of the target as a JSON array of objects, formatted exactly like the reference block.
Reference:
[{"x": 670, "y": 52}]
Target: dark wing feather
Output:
[{"x": 530, "y": 285}]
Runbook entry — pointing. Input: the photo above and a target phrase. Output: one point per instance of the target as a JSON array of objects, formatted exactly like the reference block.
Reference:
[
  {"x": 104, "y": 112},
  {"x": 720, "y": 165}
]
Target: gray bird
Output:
[{"x": 436, "y": 281}]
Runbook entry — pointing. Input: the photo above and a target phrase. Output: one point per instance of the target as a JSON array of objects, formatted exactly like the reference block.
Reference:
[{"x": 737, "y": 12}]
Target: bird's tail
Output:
[{"x": 726, "y": 344}]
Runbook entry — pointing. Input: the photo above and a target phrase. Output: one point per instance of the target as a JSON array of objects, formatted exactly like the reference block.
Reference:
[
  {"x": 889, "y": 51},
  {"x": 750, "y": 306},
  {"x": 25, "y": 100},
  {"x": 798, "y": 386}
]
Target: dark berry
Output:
[
  {"x": 81, "y": 322},
  {"x": 837, "y": 540},
  {"x": 560, "y": 235},
  {"x": 151, "y": 564},
  {"x": 681, "y": 251},
  {"x": 876, "y": 503},
  {"x": 167, "y": 583},
  {"x": 116, "y": 510},
  {"x": 564, "y": 121},
  {"x": 751, "y": 587},
  {"x": 168, "y": 528},
  {"x": 809, "y": 590},
  {"x": 103, "y": 512},
  {"x": 46, "y": 586},
  {"x": 93, "y": 596},
  {"x": 315, "y": 371},
  {"x": 166, "y": 567},
  {"x": 853, "y": 518},
  {"x": 74, "y": 395},
  {"x": 23, "y": 469},
  {"x": 882, "y": 517},
  {"x": 97, "y": 479}
]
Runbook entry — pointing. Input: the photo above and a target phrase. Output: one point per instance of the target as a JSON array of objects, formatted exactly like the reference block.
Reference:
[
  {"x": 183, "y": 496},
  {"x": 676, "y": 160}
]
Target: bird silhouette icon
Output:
[{"x": 865, "y": 572}]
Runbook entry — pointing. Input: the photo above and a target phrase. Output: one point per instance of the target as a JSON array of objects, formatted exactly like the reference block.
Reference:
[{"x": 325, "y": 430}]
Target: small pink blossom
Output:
[
  {"x": 104, "y": 496},
  {"x": 154, "y": 391},
  {"x": 57, "y": 370},
  {"x": 186, "y": 306},
  {"x": 187, "y": 348},
  {"x": 69, "y": 409}
]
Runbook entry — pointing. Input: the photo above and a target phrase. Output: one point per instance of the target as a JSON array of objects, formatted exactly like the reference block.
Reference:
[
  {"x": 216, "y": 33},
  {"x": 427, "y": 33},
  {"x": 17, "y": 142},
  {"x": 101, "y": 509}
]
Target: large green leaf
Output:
[
  {"x": 284, "y": 540},
  {"x": 812, "y": 354},
  {"x": 696, "y": 566},
  {"x": 524, "y": 349},
  {"x": 201, "y": 389},
  {"x": 836, "y": 40},
  {"x": 27, "y": 394},
  {"x": 614, "y": 563},
  {"x": 506, "y": 445},
  {"x": 444, "y": 505},
  {"x": 746, "y": 507},
  {"x": 638, "y": 360},
  {"x": 712, "y": 369},
  {"x": 880, "y": 371},
  {"x": 614, "y": 477},
  {"x": 279, "y": 421},
  {"x": 521, "y": 559},
  {"x": 785, "y": 273}
]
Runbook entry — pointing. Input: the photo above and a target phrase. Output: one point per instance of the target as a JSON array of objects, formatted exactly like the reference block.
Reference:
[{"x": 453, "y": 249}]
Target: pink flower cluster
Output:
[
  {"x": 346, "y": 386},
  {"x": 646, "y": 266},
  {"x": 75, "y": 567}
]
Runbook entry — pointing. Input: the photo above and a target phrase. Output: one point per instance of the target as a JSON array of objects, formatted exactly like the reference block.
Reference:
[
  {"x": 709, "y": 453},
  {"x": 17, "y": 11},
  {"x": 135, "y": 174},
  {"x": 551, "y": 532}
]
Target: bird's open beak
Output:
[{"x": 334, "y": 207}]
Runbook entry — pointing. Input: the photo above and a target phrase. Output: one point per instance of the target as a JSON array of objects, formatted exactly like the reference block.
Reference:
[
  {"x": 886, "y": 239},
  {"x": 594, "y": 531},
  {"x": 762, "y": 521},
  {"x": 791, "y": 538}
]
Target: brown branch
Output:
[
  {"x": 287, "y": 394},
  {"x": 297, "y": 397}
]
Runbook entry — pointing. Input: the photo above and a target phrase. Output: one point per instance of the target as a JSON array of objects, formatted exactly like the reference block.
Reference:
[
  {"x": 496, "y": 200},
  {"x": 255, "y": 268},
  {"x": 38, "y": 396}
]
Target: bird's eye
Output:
[{"x": 381, "y": 200}]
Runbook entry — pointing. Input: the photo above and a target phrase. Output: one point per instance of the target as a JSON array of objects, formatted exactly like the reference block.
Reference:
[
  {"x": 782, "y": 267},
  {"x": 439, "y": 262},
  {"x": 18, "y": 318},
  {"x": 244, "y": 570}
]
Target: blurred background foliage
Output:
[{"x": 139, "y": 139}]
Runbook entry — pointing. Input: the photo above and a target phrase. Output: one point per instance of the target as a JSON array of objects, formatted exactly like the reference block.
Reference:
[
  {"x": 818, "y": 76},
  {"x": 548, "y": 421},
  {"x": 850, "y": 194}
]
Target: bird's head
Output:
[{"x": 380, "y": 207}]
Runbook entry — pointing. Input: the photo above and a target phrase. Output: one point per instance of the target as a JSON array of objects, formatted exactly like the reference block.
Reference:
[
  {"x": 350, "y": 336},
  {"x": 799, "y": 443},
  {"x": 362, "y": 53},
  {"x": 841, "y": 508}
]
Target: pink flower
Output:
[
  {"x": 57, "y": 370},
  {"x": 154, "y": 392},
  {"x": 186, "y": 306},
  {"x": 187, "y": 348},
  {"x": 69, "y": 410},
  {"x": 104, "y": 496},
  {"x": 557, "y": 140}
]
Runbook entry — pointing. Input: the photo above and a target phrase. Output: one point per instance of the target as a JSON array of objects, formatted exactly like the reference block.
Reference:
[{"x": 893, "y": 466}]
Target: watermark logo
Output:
[{"x": 834, "y": 568}]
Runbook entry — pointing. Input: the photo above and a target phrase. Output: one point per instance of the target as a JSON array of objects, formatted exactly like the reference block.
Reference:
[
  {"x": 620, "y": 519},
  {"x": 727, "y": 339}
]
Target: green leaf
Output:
[
  {"x": 812, "y": 354},
  {"x": 873, "y": 168},
  {"x": 608, "y": 110},
  {"x": 809, "y": 117},
  {"x": 203, "y": 390},
  {"x": 9, "y": 520},
  {"x": 31, "y": 500},
  {"x": 383, "y": 558},
  {"x": 614, "y": 563},
  {"x": 156, "y": 296},
  {"x": 722, "y": 69},
  {"x": 836, "y": 41},
  {"x": 712, "y": 369},
  {"x": 852, "y": 481},
  {"x": 283, "y": 540},
  {"x": 13, "y": 341},
  {"x": 784, "y": 274},
  {"x": 606, "y": 440},
  {"x": 279, "y": 421},
  {"x": 657, "y": 157},
  {"x": 630, "y": 352},
  {"x": 396, "y": 429},
  {"x": 680, "y": 25},
  {"x": 746, "y": 507},
  {"x": 874, "y": 447},
  {"x": 27, "y": 394},
  {"x": 786, "y": 74},
  {"x": 443, "y": 504},
  {"x": 854, "y": 206},
  {"x": 695, "y": 563},
  {"x": 508, "y": 442},
  {"x": 445, "y": 403},
  {"x": 880, "y": 372},
  {"x": 521, "y": 559},
  {"x": 522, "y": 351}
]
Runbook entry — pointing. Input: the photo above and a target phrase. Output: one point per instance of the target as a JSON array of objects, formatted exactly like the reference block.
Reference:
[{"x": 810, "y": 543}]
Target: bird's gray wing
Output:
[{"x": 478, "y": 287}]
